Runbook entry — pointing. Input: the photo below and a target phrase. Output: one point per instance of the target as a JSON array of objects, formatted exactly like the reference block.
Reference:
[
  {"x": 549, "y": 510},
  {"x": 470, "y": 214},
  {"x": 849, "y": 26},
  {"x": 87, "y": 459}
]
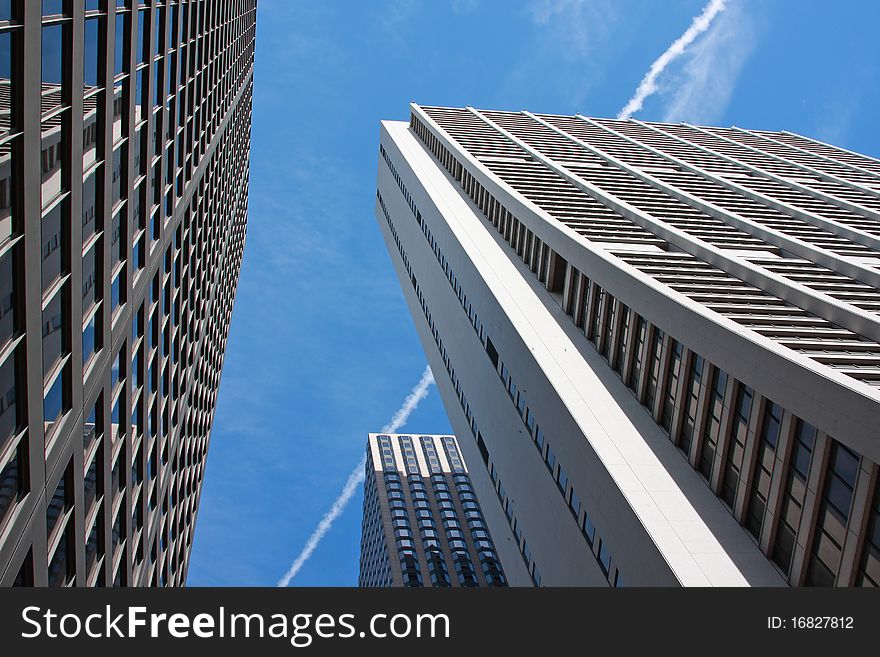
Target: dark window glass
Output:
[
  {"x": 62, "y": 566},
  {"x": 90, "y": 52},
  {"x": 636, "y": 369},
  {"x": 691, "y": 401},
  {"x": 142, "y": 40},
  {"x": 794, "y": 493},
  {"x": 833, "y": 516},
  {"x": 89, "y": 204},
  {"x": 7, "y": 298},
  {"x": 119, "y": 47},
  {"x": 655, "y": 353},
  {"x": 671, "y": 386},
  {"x": 61, "y": 502},
  {"x": 709, "y": 448},
  {"x": 10, "y": 486},
  {"x": 8, "y": 405},
  {"x": 54, "y": 332},
  {"x": 765, "y": 460},
  {"x": 52, "y": 245},
  {"x": 737, "y": 443}
]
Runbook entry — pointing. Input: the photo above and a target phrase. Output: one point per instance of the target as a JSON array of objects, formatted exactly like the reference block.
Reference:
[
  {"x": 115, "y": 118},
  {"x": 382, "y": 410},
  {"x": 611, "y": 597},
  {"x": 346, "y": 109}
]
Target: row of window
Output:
[
  {"x": 671, "y": 381},
  {"x": 597, "y": 545}
]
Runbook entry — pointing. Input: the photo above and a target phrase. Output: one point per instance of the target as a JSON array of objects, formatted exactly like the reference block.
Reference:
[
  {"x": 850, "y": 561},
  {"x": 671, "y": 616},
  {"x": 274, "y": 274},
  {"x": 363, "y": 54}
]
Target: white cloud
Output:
[
  {"x": 575, "y": 27},
  {"x": 649, "y": 84},
  {"x": 701, "y": 91},
  {"x": 356, "y": 478},
  {"x": 464, "y": 6}
]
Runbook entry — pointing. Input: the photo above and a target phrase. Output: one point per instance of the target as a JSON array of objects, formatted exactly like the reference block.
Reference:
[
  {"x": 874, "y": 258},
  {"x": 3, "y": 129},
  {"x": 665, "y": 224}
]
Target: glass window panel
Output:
[
  {"x": 157, "y": 83},
  {"x": 89, "y": 338},
  {"x": 846, "y": 465},
  {"x": 61, "y": 501},
  {"x": 10, "y": 486},
  {"x": 90, "y": 291},
  {"x": 7, "y": 297},
  {"x": 117, "y": 241},
  {"x": 89, "y": 204},
  {"x": 90, "y": 52},
  {"x": 119, "y": 47},
  {"x": 53, "y": 401},
  {"x": 118, "y": 174},
  {"x": 142, "y": 52},
  {"x": 61, "y": 568},
  {"x": 8, "y": 405},
  {"x": 159, "y": 38},
  {"x": 53, "y": 332},
  {"x": 52, "y": 59},
  {"x": 6, "y": 53},
  {"x": 53, "y": 7},
  {"x": 51, "y": 162}
]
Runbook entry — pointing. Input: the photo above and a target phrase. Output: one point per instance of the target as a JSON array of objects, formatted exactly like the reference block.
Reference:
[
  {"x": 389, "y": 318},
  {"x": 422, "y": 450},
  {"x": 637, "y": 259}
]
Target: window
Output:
[
  {"x": 11, "y": 483},
  {"x": 691, "y": 402},
  {"x": 794, "y": 494},
  {"x": 654, "y": 358},
  {"x": 869, "y": 572},
  {"x": 737, "y": 444},
  {"x": 620, "y": 353},
  {"x": 715, "y": 410},
  {"x": 636, "y": 369},
  {"x": 837, "y": 494},
  {"x": 765, "y": 460},
  {"x": 671, "y": 386}
]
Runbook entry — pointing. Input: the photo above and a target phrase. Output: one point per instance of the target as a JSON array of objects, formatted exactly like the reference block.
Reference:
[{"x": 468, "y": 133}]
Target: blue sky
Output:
[{"x": 322, "y": 349}]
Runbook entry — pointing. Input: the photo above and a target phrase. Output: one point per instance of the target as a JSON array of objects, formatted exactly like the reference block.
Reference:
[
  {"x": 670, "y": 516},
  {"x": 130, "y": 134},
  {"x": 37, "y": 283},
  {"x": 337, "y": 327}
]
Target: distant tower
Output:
[
  {"x": 124, "y": 159},
  {"x": 658, "y": 345},
  {"x": 423, "y": 525}
]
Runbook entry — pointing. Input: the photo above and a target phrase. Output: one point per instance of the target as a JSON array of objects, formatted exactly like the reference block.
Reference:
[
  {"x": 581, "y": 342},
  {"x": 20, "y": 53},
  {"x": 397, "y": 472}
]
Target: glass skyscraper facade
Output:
[
  {"x": 423, "y": 524},
  {"x": 124, "y": 150}
]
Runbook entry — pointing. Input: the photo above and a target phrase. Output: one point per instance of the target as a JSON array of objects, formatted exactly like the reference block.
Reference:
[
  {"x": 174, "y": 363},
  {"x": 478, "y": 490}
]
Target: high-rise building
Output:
[
  {"x": 124, "y": 145},
  {"x": 423, "y": 524},
  {"x": 661, "y": 341}
]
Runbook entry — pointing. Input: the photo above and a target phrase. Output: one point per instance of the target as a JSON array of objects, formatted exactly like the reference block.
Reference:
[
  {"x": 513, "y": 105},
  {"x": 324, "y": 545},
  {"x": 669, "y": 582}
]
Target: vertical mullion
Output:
[
  {"x": 30, "y": 269},
  {"x": 74, "y": 71},
  {"x": 107, "y": 73}
]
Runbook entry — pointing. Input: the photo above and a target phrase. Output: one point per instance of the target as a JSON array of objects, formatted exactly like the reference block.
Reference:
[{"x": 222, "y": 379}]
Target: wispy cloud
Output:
[
  {"x": 570, "y": 38},
  {"x": 356, "y": 478},
  {"x": 577, "y": 26},
  {"x": 649, "y": 84},
  {"x": 464, "y": 6},
  {"x": 702, "y": 90}
]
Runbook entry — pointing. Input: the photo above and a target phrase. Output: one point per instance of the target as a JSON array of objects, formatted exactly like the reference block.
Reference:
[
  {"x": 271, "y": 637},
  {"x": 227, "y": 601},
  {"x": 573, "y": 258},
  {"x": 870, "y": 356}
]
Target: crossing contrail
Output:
[
  {"x": 356, "y": 478},
  {"x": 648, "y": 85}
]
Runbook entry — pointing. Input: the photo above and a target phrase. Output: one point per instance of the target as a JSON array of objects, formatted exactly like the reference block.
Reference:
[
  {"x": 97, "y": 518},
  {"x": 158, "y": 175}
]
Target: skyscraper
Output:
[
  {"x": 423, "y": 524},
  {"x": 661, "y": 341},
  {"x": 124, "y": 140}
]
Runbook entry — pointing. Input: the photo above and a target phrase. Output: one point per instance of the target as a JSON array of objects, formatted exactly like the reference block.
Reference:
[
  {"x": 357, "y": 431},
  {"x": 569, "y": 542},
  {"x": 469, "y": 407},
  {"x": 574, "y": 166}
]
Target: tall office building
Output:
[
  {"x": 423, "y": 524},
  {"x": 124, "y": 139},
  {"x": 660, "y": 340}
]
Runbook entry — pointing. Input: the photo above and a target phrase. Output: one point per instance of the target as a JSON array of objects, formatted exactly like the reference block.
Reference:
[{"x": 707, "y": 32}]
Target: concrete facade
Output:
[{"x": 666, "y": 355}]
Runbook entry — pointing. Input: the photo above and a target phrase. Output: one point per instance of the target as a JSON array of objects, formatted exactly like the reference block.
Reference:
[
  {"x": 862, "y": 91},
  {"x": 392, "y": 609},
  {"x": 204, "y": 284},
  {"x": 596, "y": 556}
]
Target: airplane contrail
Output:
[
  {"x": 416, "y": 395},
  {"x": 648, "y": 85}
]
